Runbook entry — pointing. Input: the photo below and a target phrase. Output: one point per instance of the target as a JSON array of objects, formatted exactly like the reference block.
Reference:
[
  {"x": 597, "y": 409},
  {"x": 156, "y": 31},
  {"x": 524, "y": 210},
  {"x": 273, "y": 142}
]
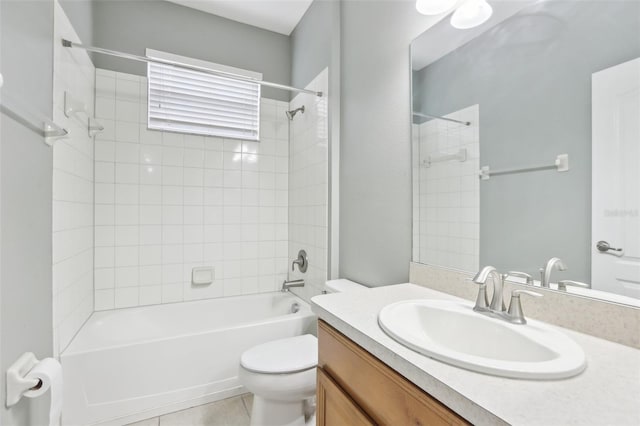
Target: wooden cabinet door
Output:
[
  {"x": 335, "y": 407},
  {"x": 376, "y": 389}
]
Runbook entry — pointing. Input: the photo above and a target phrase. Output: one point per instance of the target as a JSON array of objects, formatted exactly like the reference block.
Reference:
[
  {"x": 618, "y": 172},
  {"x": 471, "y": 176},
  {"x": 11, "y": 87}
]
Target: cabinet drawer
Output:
[{"x": 386, "y": 396}]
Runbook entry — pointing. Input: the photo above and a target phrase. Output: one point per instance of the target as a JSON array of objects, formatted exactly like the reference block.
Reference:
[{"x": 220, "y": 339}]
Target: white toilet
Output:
[{"x": 282, "y": 375}]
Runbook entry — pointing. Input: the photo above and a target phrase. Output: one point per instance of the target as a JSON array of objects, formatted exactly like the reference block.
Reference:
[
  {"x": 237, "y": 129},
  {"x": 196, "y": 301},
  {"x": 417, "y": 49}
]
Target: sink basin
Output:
[{"x": 453, "y": 333}]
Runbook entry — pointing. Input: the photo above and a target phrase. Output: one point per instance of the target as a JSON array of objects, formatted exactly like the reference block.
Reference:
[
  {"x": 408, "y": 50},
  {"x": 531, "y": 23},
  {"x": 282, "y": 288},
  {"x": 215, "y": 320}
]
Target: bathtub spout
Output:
[{"x": 286, "y": 285}]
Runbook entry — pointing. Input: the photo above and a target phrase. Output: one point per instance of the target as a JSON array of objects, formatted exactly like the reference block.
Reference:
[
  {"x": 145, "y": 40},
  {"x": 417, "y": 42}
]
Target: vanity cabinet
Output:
[{"x": 356, "y": 388}]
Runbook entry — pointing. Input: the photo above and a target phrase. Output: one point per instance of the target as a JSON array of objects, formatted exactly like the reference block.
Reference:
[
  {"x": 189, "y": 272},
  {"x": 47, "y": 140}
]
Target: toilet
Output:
[{"x": 282, "y": 375}]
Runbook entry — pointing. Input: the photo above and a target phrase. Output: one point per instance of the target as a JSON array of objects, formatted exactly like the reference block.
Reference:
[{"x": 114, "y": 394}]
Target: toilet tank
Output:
[{"x": 342, "y": 285}]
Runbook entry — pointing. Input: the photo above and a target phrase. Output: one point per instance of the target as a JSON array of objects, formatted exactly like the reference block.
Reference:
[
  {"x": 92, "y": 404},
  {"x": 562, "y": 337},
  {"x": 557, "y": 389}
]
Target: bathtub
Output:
[{"x": 130, "y": 364}]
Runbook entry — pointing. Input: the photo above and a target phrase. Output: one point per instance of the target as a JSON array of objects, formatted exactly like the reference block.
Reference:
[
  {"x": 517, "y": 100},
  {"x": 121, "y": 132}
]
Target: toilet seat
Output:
[{"x": 283, "y": 356}]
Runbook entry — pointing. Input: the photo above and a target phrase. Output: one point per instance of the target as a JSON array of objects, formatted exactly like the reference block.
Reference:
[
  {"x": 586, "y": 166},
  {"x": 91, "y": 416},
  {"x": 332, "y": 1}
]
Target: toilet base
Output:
[{"x": 278, "y": 413}]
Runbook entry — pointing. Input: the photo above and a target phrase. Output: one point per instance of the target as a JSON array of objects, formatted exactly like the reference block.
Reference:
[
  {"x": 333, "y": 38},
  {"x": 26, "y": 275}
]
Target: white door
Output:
[{"x": 616, "y": 179}]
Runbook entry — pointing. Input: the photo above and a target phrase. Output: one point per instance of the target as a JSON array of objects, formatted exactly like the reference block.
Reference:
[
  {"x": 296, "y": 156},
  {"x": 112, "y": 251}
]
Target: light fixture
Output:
[
  {"x": 471, "y": 14},
  {"x": 434, "y": 7}
]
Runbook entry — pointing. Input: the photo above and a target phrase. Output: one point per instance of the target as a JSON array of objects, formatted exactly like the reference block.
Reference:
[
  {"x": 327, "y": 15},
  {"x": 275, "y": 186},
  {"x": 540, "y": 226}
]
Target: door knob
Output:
[{"x": 605, "y": 247}]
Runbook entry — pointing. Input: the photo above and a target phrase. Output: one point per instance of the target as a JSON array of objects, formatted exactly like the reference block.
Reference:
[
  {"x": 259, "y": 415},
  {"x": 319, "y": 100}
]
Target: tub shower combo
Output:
[{"x": 126, "y": 364}]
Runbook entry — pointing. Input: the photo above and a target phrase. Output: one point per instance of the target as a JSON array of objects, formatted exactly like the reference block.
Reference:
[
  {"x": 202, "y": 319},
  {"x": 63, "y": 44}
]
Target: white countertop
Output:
[{"x": 606, "y": 393}]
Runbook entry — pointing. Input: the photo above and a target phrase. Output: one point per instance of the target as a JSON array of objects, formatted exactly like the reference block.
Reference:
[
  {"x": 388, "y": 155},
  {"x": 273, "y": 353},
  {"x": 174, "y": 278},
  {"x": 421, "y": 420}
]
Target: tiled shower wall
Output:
[
  {"x": 167, "y": 202},
  {"x": 446, "y": 226},
  {"x": 308, "y": 184},
  {"x": 72, "y": 207}
]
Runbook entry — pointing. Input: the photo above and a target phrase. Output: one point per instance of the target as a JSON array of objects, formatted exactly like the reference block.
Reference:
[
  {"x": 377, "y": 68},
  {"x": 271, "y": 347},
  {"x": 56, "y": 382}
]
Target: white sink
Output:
[{"x": 453, "y": 333}]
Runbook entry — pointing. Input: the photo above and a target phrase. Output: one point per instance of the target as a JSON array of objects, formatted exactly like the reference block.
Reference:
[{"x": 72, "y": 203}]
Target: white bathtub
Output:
[{"x": 130, "y": 364}]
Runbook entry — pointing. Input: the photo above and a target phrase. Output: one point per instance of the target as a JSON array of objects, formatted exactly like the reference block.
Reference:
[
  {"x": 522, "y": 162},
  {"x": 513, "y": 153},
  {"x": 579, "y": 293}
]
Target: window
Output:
[{"x": 189, "y": 101}]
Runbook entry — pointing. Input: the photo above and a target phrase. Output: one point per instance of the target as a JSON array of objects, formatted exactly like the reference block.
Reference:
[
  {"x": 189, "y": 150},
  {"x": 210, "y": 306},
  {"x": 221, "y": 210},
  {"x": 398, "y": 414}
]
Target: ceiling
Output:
[{"x": 280, "y": 16}]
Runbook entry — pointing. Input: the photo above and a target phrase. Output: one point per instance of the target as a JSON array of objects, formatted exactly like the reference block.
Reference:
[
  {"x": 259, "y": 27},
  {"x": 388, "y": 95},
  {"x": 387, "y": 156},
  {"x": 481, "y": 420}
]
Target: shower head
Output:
[{"x": 292, "y": 113}]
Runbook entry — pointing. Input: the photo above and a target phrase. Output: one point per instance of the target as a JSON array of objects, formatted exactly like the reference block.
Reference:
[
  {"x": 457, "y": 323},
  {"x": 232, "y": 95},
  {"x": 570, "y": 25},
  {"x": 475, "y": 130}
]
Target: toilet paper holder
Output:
[{"x": 17, "y": 384}]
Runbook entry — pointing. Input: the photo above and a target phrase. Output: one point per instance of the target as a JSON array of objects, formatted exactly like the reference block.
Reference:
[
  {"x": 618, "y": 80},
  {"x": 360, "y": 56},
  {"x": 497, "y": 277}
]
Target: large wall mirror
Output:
[{"x": 526, "y": 146}]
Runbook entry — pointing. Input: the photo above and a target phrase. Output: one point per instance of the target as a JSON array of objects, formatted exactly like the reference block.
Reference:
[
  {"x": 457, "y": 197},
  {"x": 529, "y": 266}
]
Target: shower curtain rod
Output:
[
  {"x": 419, "y": 114},
  {"x": 70, "y": 44}
]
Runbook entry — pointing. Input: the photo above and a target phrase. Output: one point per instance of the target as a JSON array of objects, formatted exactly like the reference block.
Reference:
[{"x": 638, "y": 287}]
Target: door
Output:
[
  {"x": 616, "y": 179},
  {"x": 335, "y": 407}
]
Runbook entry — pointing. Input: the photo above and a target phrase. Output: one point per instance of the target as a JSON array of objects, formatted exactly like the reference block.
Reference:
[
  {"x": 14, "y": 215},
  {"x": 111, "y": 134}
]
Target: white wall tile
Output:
[
  {"x": 166, "y": 202},
  {"x": 104, "y": 172},
  {"x": 126, "y": 297},
  {"x": 150, "y": 275},
  {"x": 172, "y": 293},
  {"x": 126, "y": 173},
  {"x": 105, "y": 107},
  {"x": 126, "y": 277},
  {"x": 150, "y": 295},
  {"x": 151, "y": 234},
  {"x": 126, "y": 214},
  {"x": 104, "y": 299},
  {"x": 194, "y": 158},
  {"x": 126, "y": 256},
  {"x": 104, "y": 193},
  {"x": 126, "y": 194},
  {"x": 127, "y": 111},
  {"x": 151, "y": 255},
  {"x": 150, "y": 194},
  {"x": 126, "y": 235},
  {"x": 104, "y": 278},
  {"x": 127, "y": 132},
  {"x": 73, "y": 189},
  {"x": 127, "y": 152}
]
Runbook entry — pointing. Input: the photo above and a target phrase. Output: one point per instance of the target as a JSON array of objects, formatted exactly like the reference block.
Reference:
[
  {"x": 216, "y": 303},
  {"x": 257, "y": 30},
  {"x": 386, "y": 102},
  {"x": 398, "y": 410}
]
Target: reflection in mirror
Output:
[{"x": 526, "y": 145}]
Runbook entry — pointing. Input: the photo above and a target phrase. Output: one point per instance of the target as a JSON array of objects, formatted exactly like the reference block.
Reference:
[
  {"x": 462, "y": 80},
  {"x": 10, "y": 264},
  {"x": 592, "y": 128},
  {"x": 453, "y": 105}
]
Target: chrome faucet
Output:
[
  {"x": 497, "y": 302},
  {"x": 496, "y": 308},
  {"x": 545, "y": 273},
  {"x": 286, "y": 285}
]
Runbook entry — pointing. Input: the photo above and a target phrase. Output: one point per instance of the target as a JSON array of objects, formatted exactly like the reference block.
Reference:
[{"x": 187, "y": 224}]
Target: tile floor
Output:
[{"x": 227, "y": 412}]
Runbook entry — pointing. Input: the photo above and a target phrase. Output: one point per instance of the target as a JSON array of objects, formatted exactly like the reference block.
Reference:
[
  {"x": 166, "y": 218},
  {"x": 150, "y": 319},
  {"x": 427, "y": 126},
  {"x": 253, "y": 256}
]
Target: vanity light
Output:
[
  {"x": 471, "y": 14},
  {"x": 434, "y": 7}
]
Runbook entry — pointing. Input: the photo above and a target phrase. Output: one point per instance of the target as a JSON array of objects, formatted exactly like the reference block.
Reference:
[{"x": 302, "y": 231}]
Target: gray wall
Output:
[
  {"x": 311, "y": 43},
  {"x": 26, "y": 61},
  {"x": 375, "y": 155},
  {"x": 133, "y": 26},
  {"x": 535, "y": 103},
  {"x": 80, "y": 13}
]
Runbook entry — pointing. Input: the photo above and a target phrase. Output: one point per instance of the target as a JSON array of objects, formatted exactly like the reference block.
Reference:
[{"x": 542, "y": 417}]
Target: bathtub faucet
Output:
[{"x": 286, "y": 285}]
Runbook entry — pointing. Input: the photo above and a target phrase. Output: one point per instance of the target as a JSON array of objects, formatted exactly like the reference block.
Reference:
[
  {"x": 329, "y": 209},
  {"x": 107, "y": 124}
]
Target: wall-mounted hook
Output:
[
  {"x": 94, "y": 127},
  {"x": 52, "y": 133},
  {"x": 72, "y": 106}
]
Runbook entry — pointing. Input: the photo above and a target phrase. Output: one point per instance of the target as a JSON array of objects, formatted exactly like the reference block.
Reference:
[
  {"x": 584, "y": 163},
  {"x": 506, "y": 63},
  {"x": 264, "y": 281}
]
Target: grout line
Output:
[{"x": 244, "y": 403}]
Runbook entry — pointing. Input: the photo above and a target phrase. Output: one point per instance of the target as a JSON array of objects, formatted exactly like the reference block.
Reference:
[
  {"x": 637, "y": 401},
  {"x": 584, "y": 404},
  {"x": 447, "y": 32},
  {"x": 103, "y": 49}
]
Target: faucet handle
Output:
[
  {"x": 517, "y": 293},
  {"x": 515, "y": 313},
  {"x": 302, "y": 261},
  {"x": 562, "y": 285},
  {"x": 517, "y": 274}
]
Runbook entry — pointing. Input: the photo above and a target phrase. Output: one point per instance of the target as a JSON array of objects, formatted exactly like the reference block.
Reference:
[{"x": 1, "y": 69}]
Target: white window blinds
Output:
[{"x": 190, "y": 101}]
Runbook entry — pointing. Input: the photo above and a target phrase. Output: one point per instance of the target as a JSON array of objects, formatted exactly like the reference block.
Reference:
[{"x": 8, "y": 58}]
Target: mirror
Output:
[{"x": 526, "y": 145}]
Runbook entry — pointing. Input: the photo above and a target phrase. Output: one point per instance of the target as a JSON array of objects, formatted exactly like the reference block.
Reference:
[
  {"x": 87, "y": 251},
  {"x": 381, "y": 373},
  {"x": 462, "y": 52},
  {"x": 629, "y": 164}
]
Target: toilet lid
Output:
[{"x": 288, "y": 355}]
